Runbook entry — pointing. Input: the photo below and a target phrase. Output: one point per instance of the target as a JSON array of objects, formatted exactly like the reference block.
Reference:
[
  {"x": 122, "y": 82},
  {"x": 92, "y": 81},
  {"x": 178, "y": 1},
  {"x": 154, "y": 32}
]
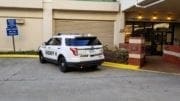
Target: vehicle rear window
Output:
[{"x": 82, "y": 41}]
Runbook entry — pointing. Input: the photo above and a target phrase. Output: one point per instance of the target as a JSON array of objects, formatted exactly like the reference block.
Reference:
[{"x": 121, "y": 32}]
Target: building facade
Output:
[{"x": 38, "y": 20}]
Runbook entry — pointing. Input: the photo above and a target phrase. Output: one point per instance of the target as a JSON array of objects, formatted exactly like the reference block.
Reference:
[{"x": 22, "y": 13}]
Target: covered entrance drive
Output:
[{"x": 158, "y": 22}]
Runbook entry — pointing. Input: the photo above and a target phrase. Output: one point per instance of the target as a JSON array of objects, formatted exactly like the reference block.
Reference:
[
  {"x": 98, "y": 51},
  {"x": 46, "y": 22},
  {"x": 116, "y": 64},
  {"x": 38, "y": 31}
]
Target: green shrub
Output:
[
  {"x": 117, "y": 55},
  {"x": 121, "y": 55}
]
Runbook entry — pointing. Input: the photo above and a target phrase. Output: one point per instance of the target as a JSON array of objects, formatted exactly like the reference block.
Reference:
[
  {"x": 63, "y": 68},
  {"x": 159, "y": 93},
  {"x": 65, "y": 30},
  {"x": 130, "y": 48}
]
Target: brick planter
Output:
[{"x": 171, "y": 54}]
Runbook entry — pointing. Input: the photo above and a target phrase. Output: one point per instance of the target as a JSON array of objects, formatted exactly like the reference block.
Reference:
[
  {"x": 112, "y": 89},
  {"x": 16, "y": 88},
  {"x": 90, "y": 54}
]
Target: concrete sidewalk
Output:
[{"x": 156, "y": 63}]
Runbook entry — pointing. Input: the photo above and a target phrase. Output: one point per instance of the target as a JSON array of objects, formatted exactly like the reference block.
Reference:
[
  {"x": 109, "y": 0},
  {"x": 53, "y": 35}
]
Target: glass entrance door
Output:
[
  {"x": 157, "y": 43},
  {"x": 155, "y": 39}
]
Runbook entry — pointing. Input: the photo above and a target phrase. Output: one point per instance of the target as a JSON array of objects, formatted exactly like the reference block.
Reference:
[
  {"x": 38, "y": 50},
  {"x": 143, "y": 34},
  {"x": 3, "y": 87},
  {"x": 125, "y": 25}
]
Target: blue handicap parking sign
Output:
[
  {"x": 12, "y": 31},
  {"x": 11, "y": 22},
  {"x": 11, "y": 27}
]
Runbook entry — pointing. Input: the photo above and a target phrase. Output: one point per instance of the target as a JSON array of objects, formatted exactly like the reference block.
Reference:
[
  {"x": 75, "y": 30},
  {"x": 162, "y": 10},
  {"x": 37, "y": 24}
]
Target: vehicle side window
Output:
[
  {"x": 57, "y": 41},
  {"x": 54, "y": 41},
  {"x": 49, "y": 41}
]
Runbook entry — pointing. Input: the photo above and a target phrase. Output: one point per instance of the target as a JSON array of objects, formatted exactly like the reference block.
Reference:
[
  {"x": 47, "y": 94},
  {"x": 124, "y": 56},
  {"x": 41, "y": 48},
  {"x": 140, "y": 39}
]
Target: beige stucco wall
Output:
[
  {"x": 119, "y": 24},
  {"x": 21, "y": 13},
  {"x": 21, "y": 3},
  {"x": 79, "y": 5},
  {"x": 47, "y": 20},
  {"x": 58, "y": 14},
  {"x": 40, "y": 16},
  {"x": 30, "y": 32},
  {"x": 29, "y": 38}
]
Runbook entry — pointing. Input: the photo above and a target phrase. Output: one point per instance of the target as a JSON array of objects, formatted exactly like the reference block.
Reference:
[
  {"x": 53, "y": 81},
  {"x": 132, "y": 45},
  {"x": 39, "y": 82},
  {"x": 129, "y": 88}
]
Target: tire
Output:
[
  {"x": 95, "y": 67},
  {"x": 62, "y": 65},
  {"x": 41, "y": 58}
]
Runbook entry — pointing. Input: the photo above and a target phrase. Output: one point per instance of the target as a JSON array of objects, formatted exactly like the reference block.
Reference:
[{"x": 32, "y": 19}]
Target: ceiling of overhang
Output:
[{"x": 162, "y": 10}]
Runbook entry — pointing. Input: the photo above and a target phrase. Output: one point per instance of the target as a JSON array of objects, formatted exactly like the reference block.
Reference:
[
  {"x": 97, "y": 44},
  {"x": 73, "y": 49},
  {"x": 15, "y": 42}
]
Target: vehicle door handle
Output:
[{"x": 58, "y": 48}]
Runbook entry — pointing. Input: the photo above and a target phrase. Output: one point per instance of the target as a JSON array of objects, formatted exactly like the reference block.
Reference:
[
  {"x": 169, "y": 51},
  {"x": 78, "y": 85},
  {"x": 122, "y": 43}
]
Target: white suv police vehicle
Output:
[{"x": 72, "y": 51}]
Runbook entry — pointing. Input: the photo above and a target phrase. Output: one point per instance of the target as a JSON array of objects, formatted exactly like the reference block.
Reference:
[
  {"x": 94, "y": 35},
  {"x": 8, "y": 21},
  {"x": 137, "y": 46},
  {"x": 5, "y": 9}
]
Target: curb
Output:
[
  {"x": 135, "y": 68},
  {"x": 17, "y": 56},
  {"x": 121, "y": 66}
]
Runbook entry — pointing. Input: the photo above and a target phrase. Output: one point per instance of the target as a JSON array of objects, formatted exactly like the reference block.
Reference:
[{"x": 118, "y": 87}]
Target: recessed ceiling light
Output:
[
  {"x": 169, "y": 18},
  {"x": 154, "y": 18},
  {"x": 139, "y": 17}
]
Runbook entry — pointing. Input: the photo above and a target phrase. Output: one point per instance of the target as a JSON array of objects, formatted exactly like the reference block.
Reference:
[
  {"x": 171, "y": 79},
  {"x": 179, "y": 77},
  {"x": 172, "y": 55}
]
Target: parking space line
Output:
[
  {"x": 132, "y": 67},
  {"x": 159, "y": 72}
]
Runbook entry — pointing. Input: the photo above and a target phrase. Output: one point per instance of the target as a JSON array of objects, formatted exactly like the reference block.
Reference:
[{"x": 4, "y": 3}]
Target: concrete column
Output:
[
  {"x": 47, "y": 19},
  {"x": 119, "y": 24}
]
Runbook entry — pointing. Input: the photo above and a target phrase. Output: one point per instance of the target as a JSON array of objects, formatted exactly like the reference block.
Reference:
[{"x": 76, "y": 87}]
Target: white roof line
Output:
[{"x": 148, "y": 5}]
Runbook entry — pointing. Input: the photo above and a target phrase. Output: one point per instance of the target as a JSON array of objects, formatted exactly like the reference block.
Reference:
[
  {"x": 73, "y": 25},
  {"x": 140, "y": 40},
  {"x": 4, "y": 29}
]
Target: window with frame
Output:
[{"x": 54, "y": 41}]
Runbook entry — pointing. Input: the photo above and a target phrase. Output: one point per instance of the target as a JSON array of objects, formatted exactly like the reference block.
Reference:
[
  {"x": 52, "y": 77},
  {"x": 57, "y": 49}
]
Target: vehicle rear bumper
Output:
[{"x": 85, "y": 64}]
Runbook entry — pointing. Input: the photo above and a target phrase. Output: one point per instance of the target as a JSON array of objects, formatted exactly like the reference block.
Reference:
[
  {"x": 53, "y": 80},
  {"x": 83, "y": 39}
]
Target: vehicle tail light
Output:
[{"x": 74, "y": 51}]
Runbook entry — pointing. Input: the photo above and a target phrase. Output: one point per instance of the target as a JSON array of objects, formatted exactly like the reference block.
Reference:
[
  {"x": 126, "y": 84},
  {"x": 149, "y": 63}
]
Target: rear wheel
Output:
[
  {"x": 62, "y": 65},
  {"x": 95, "y": 67},
  {"x": 41, "y": 58}
]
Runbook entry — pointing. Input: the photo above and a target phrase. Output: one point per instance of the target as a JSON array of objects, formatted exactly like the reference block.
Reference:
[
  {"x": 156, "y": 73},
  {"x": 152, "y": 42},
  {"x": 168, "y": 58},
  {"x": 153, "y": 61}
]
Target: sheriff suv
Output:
[{"x": 72, "y": 51}]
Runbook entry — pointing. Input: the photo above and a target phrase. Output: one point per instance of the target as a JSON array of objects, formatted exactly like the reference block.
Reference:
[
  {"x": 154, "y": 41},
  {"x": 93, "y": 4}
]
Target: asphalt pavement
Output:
[{"x": 28, "y": 80}]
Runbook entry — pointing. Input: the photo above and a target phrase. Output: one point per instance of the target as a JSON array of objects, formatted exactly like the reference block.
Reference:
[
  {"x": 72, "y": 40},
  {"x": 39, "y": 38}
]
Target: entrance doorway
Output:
[{"x": 156, "y": 34}]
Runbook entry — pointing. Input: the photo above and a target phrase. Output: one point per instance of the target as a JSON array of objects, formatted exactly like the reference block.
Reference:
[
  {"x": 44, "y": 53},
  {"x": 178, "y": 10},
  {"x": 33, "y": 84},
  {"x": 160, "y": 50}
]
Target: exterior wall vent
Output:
[{"x": 20, "y": 21}]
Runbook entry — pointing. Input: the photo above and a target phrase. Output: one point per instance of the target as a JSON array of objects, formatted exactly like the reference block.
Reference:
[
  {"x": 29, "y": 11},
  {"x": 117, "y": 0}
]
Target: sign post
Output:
[
  {"x": 14, "y": 47},
  {"x": 12, "y": 30}
]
